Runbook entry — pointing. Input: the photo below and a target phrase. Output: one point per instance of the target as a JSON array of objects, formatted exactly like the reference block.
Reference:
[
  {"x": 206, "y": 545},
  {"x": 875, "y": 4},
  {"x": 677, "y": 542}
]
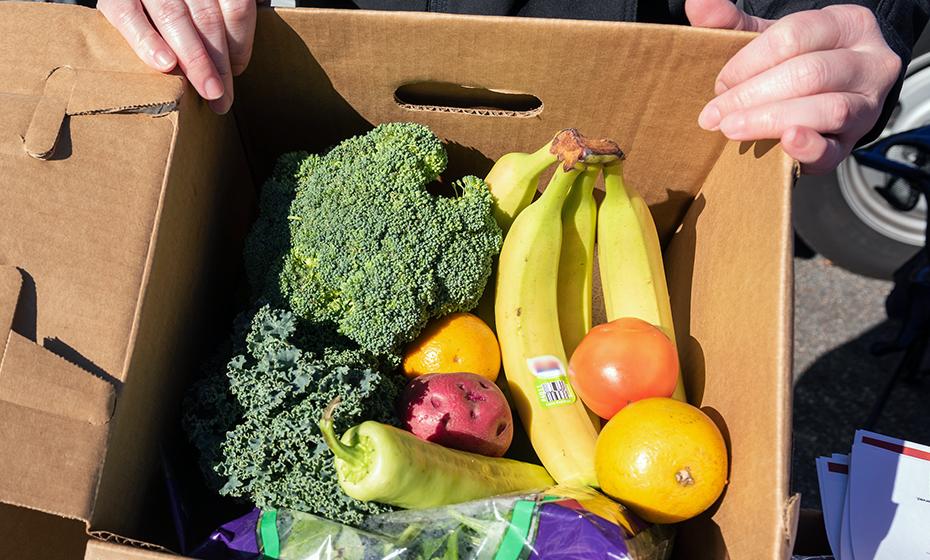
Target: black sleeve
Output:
[{"x": 901, "y": 22}]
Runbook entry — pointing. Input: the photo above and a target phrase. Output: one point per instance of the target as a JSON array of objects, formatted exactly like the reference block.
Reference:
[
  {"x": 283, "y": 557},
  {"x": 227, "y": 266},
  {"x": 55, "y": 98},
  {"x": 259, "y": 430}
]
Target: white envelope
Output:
[
  {"x": 833, "y": 476},
  {"x": 846, "y": 543},
  {"x": 889, "y": 499}
]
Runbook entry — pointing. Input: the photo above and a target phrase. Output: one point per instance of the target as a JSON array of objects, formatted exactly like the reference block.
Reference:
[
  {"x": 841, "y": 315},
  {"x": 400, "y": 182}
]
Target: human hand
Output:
[
  {"x": 209, "y": 40},
  {"x": 816, "y": 80}
]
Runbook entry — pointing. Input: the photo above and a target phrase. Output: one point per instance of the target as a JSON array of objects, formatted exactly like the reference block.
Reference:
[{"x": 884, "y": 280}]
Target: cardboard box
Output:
[{"x": 125, "y": 201}]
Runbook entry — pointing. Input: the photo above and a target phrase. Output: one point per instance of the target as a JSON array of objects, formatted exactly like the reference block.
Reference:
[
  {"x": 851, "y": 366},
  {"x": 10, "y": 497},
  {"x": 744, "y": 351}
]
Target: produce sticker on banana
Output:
[{"x": 552, "y": 385}]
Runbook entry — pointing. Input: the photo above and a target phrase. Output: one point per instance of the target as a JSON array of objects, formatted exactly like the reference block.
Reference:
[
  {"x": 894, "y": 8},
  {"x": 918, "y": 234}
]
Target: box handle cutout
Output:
[{"x": 443, "y": 97}]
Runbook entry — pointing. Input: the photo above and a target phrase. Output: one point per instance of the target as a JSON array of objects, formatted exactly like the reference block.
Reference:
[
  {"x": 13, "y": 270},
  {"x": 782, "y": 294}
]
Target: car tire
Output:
[
  {"x": 825, "y": 212},
  {"x": 824, "y": 220}
]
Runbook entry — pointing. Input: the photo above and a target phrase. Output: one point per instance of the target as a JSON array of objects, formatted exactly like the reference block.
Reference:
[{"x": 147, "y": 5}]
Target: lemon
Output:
[{"x": 662, "y": 458}]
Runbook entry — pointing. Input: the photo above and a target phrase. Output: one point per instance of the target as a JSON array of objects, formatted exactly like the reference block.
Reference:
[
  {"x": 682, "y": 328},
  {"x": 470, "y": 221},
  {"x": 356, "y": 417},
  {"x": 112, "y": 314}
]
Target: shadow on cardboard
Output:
[
  {"x": 317, "y": 115},
  {"x": 63, "y": 350},
  {"x": 62, "y": 148},
  {"x": 24, "y": 323},
  {"x": 702, "y": 533},
  {"x": 28, "y": 534},
  {"x": 759, "y": 147},
  {"x": 690, "y": 352},
  {"x": 314, "y": 114},
  {"x": 24, "y": 318}
]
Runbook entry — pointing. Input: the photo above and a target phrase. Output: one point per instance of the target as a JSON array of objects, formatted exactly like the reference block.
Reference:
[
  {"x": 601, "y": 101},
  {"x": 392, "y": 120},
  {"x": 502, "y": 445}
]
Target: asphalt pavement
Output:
[{"x": 838, "y": 317}]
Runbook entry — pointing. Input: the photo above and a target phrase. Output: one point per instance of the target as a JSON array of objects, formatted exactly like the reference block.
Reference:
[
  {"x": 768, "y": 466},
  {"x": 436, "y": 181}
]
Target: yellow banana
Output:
[
  {"x": 630, "y": 259},
  {"x": 514, "y": 179},
  {"x": 576, "y": 263},
  {"x": 526, "y": 308}
]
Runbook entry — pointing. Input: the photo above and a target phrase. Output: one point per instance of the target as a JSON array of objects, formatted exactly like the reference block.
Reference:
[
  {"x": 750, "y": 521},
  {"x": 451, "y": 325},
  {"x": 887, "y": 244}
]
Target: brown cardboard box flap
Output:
[
  {"x": 99, "y": 550},
  {"x": 86, "y": 132},
  {"x": 48, "y": 407},
  {"x": 69, "y": 91},
  {"x": 33, "y": 377}
]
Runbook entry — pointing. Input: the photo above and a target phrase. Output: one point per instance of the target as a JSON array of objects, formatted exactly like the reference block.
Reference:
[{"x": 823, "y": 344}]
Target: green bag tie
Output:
[
  {"x": 268, "y": 531},
  {"x": 518, "y": 532}
]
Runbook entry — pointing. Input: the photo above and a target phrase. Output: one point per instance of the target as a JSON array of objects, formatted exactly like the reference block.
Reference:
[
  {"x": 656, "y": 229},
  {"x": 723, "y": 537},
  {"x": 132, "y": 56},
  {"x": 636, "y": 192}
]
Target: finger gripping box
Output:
[{"x": 125, "y": 202}]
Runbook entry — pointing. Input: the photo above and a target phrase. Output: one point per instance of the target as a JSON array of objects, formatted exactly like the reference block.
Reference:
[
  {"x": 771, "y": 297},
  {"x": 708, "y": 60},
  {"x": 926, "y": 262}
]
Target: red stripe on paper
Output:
[
  {"x": 897, "y": 448},
  {"x": 838, "y": 468}
]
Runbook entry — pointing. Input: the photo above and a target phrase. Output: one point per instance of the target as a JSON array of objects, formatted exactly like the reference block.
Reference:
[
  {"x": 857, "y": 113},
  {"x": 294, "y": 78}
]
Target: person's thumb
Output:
[{"x": 722, "y": 14}]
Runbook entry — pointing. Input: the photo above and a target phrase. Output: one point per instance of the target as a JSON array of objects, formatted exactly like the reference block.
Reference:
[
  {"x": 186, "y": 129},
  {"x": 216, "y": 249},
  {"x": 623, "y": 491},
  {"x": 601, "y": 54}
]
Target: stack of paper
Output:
[{"x": 876, "y": 499}]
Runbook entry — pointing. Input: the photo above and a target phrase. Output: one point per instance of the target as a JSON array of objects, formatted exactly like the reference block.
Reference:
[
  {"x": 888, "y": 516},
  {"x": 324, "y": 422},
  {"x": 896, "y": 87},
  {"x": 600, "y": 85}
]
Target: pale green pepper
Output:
[{"x": 380, "y": 463}]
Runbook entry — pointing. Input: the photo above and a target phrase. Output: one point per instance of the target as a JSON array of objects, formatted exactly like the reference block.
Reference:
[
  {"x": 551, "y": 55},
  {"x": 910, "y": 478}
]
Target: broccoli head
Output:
[
  {"x": 254, "y": 421},
  {"x": 364, "y": 245}
]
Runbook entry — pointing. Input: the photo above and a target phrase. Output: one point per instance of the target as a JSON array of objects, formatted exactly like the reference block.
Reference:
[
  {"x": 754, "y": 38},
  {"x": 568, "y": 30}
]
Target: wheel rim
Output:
[{"x": 857, "y": 183}]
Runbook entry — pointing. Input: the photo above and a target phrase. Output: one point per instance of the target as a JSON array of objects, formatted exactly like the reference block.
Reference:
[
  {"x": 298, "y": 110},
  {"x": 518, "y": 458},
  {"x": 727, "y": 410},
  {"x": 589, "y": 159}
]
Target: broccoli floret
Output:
[
  {"x": 365, "y": 245},
  {"x": 254, "y": 420}
]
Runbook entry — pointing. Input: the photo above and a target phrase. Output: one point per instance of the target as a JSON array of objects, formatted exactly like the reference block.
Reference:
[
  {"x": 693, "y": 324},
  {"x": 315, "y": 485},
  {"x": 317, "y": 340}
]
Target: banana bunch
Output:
[
  {"x": 513, "y": 181},
  {"x": 543, "y": 290}
]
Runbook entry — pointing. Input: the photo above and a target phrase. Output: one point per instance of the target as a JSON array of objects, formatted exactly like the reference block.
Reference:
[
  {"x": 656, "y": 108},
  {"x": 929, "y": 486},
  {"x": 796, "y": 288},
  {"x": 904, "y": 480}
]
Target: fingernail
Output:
[
  {"x": 219, "y": 106},
  {"x": 720, "y": 87},
  {"x": 213, "y": 88},
  {"x": 163, "y": 59},
  {"x": 709, "y": 119},
  {"x": 799, "y": 139}
]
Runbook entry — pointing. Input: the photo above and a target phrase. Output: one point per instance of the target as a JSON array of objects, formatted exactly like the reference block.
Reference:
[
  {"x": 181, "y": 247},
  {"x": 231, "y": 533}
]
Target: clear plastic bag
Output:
[{"x": 558, "y": 523}]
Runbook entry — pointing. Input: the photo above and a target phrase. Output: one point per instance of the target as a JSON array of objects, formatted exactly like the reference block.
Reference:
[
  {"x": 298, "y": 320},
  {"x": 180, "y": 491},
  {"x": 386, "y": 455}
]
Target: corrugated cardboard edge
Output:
[
  {"x": 101, "y": 550},
  {"x": 73, "y": 92},
  {"x": 150, "y": 251},
  {"x": 792, "y": 514},
  {"x": 140, "y": 300},
  {"x": 793, "y": 504},
  {"x": 479, "y": 112}
]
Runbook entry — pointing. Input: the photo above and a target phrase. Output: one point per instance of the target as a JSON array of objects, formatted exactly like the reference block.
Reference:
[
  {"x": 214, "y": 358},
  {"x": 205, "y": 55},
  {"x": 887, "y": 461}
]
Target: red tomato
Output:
[{"x": 623, "y": 361}]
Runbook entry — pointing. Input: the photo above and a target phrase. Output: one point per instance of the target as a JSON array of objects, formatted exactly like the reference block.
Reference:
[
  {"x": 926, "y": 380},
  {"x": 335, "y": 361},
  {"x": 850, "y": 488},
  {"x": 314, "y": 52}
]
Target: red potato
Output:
[{"x": 458, "y": 410}]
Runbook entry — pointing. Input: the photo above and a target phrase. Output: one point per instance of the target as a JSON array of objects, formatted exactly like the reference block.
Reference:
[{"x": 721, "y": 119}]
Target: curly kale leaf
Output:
[{"x": 255, "y": 422}]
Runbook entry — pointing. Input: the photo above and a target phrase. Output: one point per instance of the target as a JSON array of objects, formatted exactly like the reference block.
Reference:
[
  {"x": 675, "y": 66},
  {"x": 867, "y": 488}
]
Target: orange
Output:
[
  {"x": 459, "y": 342},
  {"x": 662, "y": 458}
]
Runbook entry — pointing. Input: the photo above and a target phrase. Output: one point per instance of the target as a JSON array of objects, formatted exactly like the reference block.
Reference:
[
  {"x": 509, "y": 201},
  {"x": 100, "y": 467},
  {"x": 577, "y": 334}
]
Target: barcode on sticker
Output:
[
  {"x": 552, "y": 386},
  {"x": 554, "y": 391}
]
